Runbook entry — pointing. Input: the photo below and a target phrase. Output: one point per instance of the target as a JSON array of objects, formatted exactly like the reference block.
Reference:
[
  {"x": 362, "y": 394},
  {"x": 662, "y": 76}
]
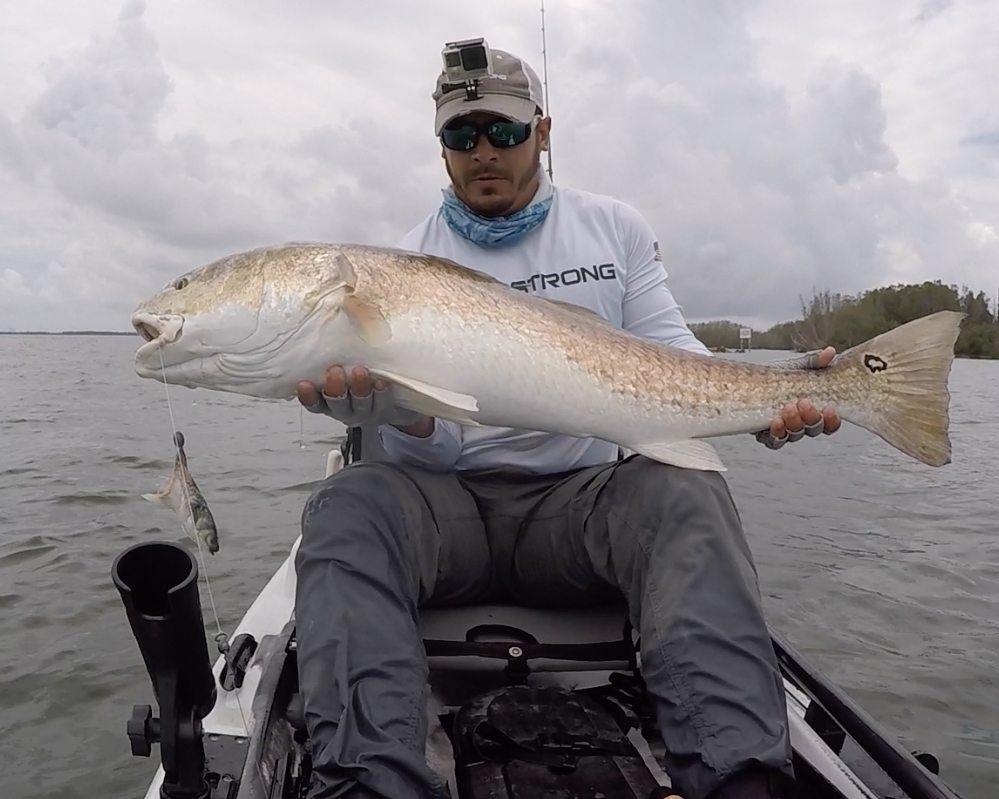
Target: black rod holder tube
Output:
[{"x": 158, "y": 584}]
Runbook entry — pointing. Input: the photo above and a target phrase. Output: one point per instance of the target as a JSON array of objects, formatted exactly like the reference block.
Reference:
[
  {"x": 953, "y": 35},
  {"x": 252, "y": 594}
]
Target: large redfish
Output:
[{"x": 458, "y": 344}]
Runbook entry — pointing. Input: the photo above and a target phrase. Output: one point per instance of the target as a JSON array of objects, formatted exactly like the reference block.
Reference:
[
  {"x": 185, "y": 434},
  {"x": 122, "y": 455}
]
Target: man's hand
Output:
[
  {"x": 799, "y": 419},
  {"x": 357, "y": 398}
]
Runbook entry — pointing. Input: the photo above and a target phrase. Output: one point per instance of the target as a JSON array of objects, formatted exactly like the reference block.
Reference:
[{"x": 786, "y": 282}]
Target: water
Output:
[{"x": 883, "y": 571}]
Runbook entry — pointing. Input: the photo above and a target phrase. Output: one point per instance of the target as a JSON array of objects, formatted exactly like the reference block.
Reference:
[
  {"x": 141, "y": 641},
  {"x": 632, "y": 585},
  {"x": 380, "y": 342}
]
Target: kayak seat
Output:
[{"x": 512, "y": 638}]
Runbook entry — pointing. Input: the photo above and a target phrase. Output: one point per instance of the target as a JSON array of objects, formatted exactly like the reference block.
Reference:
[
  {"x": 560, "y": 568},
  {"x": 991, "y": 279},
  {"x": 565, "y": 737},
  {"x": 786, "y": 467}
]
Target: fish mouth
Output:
[{"x": 157, "y": 330}]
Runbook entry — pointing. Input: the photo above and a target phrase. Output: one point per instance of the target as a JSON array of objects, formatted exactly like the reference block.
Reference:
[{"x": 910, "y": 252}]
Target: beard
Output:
[{"x": 499, "y": 198}]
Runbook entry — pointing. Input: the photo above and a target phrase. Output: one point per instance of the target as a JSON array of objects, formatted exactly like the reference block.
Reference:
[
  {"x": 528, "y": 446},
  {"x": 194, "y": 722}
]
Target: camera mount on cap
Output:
[{"x": 465, "y": 64}]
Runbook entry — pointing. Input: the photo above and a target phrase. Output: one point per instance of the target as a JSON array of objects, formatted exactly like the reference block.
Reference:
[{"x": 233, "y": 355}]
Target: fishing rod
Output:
[{"x": 544, "y": 60}]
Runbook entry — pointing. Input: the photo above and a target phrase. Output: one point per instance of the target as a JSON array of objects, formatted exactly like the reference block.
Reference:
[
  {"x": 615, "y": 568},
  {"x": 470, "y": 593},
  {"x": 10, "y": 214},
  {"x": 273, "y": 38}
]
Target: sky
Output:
[{"x": 776, "y": 148}]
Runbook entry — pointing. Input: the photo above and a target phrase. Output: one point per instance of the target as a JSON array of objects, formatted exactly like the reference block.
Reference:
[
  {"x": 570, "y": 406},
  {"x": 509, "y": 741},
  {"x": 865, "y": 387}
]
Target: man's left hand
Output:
[{"x": 799, "y": 419}]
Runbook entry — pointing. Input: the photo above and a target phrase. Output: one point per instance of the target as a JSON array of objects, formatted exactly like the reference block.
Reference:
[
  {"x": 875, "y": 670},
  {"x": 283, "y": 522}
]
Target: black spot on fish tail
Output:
[{"x": 875, "y": 363}]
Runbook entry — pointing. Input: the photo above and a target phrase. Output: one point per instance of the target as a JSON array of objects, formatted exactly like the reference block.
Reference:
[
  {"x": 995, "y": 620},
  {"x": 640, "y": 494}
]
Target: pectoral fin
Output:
[
  {"x": 346, "y": 270},
  {"x": 367, "y": 318},
  {"x": 371, "y": 325},
  {"x": 162, "y": 496},
  {"x": 431, "y": 400},
  {"x": 689, "y": 454}
]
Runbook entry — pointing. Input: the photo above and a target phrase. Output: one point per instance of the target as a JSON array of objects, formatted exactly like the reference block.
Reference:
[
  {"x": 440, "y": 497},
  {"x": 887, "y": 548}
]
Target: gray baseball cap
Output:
[{"x": 513, "y": 93}]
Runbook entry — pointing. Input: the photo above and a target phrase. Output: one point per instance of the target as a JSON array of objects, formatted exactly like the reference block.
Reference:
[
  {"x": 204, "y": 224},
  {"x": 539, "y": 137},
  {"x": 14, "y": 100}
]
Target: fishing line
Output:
[
  {"x": 221, "y": 639},
  {"x": 187, "y": 496}
]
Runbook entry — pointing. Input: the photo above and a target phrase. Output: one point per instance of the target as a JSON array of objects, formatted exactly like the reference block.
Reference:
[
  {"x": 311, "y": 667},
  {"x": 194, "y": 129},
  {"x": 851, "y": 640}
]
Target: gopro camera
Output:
[{"x": 467, "y": 61}]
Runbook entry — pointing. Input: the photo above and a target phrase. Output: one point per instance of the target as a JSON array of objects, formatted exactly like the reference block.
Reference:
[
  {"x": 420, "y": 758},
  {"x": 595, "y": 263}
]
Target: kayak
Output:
[{"x": 523, "y": 701}]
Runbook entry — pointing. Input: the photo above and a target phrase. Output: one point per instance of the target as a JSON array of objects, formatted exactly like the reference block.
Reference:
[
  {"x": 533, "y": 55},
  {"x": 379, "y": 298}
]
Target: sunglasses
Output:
[{"x": 501, "y": 133}]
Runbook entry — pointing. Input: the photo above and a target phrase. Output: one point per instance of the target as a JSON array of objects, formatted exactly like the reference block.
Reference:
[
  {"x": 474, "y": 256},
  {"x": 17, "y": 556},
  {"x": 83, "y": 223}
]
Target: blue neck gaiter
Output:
[{"x": 497, "y": 231}]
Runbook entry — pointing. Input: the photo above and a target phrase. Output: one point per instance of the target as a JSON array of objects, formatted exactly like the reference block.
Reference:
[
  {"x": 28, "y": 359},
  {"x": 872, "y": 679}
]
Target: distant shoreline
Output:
[{"x": 66, "y": 333}]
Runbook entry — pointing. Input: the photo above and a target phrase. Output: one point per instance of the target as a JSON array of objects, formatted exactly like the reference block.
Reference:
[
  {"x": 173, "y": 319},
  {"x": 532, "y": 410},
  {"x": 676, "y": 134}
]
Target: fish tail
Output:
[{"x": 907, "y": 369}]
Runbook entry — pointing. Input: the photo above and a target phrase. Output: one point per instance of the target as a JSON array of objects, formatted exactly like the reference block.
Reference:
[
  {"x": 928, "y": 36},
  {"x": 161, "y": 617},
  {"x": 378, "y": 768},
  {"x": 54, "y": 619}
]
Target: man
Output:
[{"x": 463, "y": 514}]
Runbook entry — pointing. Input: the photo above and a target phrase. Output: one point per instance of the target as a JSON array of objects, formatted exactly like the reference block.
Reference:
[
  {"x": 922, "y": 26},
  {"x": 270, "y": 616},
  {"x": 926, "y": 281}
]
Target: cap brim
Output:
[{"x": 518, "y": 108}]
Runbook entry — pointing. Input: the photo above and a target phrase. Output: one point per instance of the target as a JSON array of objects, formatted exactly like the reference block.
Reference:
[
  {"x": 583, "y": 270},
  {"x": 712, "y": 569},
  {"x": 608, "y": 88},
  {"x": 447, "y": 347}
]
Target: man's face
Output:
[{"x": 496, "y": 181}]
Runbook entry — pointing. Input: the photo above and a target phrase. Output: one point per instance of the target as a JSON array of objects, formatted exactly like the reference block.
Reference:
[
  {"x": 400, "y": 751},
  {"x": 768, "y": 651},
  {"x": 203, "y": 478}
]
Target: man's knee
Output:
[
  {"x": 356, "y": 496},
  {"x": 653, "y": 485},
  {"x": 663, "y": 499}
]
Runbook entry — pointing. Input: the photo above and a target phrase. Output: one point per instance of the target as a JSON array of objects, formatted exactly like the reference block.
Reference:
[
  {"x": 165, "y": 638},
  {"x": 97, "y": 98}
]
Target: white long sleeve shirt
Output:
[{"x": 591, "y": 250}]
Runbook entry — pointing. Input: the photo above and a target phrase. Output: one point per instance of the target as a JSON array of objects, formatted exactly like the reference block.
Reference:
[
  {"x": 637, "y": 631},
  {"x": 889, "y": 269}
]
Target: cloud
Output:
[
  {"x": 931, "y": 60},
  {"x": 930, "y": 9},
  {"x": 102, "y": 206},
  {"x": 988, "y": 138},
  {"x": 761, "y": 194},
  {"x": 768, "y": 160}
]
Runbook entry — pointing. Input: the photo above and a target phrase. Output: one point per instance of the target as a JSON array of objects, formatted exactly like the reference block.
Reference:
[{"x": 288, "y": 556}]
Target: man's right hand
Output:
[{"x": 357, "y": 398}]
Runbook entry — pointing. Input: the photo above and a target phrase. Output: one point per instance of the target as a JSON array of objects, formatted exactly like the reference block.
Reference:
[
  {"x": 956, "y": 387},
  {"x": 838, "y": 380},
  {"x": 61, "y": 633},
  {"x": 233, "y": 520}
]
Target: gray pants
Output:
[{"x": 379, "y": 541}]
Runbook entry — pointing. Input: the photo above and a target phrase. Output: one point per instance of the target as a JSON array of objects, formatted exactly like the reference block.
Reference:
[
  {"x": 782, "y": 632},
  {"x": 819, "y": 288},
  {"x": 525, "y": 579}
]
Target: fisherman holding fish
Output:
[
  {"x": 459, "y": 513},
  {"x": 519, "y": 341}
]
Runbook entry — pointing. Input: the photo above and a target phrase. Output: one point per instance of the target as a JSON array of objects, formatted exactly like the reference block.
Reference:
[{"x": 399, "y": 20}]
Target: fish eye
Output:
[{"x": 180, "y": 283}]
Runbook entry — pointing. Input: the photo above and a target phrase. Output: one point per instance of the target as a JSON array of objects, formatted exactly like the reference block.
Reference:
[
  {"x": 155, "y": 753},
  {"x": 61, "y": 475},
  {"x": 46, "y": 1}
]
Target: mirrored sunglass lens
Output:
[
  {"x": 462, "y": 138},
  {"x": 507, "y": 134}
]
